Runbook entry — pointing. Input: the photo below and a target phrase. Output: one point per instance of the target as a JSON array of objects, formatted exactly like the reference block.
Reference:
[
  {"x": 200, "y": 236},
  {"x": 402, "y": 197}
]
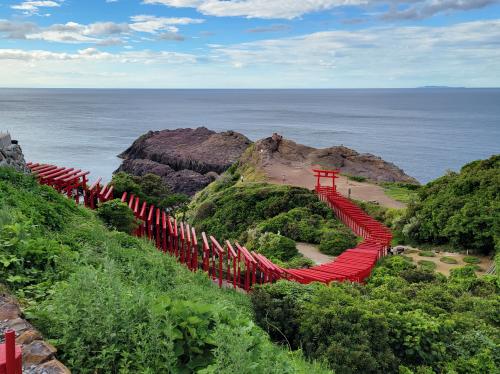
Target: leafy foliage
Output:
[
  {"x": 229, "y": 208},
  {"x": 113, "y": 303},
  {"x": 404, "y": 320},
  {"x": 150, "y": 188},
  {"x": 117, "y": 215},
  {"x": 462, "y": 209}
]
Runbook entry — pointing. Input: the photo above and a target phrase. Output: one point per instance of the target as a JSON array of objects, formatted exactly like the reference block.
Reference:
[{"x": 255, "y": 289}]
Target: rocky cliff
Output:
[
  {"x": 11, "y": 154},
  {"x": 186, "y": 159},
  {"x": 276, "y": 151}
]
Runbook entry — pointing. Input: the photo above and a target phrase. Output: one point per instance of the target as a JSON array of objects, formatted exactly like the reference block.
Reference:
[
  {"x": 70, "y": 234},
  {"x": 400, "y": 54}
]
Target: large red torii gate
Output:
[{"x": 329, "y": 174}]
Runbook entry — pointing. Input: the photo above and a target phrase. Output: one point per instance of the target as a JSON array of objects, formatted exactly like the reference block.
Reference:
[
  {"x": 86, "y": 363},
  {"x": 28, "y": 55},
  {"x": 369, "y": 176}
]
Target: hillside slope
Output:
[{"x": 112, "y": 303}]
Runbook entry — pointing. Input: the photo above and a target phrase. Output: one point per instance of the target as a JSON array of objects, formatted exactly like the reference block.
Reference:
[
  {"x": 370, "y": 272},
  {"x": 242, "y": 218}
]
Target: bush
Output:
[
  {"x": 461, "y": 209},
  {"x": 357, "y": 178},
  {"x": 404, "y": 318},
  {"x": 117, "y": 215},
  {"x": 448, "y": 260},
  {"x": 112, "y": 303},
  {"x": 427, "y": 265},
  {"x": 427, "y": 254},
  {"x": 150, "y": 188},
  {"x": 334, "y": 242},
  {"x": 471, "y": 260},
  {"x": 275, "y": 246}
]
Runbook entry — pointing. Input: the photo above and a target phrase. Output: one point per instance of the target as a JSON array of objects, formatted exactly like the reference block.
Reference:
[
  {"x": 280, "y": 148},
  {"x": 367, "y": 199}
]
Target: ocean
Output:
[{"x": 424, "y": 131}]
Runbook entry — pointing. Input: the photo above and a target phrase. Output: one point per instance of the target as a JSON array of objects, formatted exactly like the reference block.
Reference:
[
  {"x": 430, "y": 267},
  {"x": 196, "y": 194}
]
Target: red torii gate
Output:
[{"x": 330, "y": 174}]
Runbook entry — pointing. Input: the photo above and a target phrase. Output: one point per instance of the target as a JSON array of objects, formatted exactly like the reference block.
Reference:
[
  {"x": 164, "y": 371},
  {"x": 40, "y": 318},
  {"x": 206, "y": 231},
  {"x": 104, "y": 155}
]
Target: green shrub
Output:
[
  {"x": 471, "y": 260},
  {"x": 112, "y": 303},
  {"x": 461, "y": 209},
  {"x": 117, "y": 215},
  {"x": 357, "y": 178},
  {"x": 427, "y": 254},
  {"x": 150, "y": 188},
  {"x": 335, "y": 242},
  {"x": 404, "y": 317},
  {"x": 427, "y": 265},
  {"x": 448, "y": 260},
  {"x": 276, "y": 246}
]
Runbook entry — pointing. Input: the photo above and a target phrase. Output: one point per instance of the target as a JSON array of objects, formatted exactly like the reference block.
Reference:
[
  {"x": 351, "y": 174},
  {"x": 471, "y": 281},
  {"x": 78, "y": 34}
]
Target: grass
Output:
[
  {"x": 404, "y": 193},
  {"x": 448, "y": 260},
  {"x": 427, "y": 265},
  {"x": 113, "y": 303},
  {"x": 475, "y": 267},
  {"x": 427, "y": 254},
  {"x": 356, "y": 178},
  {"x": 471, "y": 260}
]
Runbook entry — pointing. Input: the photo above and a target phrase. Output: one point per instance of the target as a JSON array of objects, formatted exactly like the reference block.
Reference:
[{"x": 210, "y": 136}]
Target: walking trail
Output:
[{"x": 303, "y": 177}]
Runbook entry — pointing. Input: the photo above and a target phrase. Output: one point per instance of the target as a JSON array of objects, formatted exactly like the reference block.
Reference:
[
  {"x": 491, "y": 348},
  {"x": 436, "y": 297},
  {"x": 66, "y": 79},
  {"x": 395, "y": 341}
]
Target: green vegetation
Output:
[
  {"x": 403, "y": 192},
  {"x": 118, "y": 216},
  {"x": 243, "y": 211},
  {"x": 150, "y": 188},
  {"x": 356, "y": 178},
  {"x": 472, "y": 260},
  {"x": 112, "y": 303},
  {"x": 427, "y": 265},
  {"x": 448, "y": 260},
  {"x": 462, "y": 209},
  {"x": 426, "y": 254},
  {"x": 405, "y": 320}
]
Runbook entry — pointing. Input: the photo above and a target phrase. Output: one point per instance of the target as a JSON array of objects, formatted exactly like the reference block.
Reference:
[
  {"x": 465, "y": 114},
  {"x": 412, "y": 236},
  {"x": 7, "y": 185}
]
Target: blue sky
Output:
[{"x": 249, "y": 43}]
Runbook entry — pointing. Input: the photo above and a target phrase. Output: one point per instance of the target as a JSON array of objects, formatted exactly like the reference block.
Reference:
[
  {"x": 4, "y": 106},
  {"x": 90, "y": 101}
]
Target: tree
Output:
[{"x": 117, "y": 215}]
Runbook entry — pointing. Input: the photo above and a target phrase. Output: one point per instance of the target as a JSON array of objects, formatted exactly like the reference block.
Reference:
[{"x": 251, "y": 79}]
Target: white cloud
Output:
[
  {"x": 257, "y": 8},
  {"x": 373, "y": 57},
  {"x": 288, "y": 9},
  {"x": 153, "y": 24},
  {"x": 465, "y": 54},
  {"x": 32, "y": 7}
]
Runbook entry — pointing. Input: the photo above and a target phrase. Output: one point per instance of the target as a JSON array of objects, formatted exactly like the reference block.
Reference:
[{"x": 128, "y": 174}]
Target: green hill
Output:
[{"x": 112, "y": 303}]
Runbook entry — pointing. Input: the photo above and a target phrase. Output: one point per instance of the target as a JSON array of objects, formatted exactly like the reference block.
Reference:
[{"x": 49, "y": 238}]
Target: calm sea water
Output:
[{"x": 424, "y": 131}]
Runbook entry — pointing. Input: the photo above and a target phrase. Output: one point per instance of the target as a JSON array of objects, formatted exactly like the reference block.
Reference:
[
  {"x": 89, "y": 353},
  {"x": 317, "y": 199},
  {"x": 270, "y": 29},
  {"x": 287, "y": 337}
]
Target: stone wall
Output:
[
  {"x": 11, "y": 154},
  {"x": 38, "y": 355}
]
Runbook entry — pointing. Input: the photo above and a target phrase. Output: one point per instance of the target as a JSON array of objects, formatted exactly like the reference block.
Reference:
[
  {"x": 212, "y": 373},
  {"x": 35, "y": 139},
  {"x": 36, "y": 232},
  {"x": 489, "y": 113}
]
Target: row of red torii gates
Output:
[{"x": 227, "y": 264}]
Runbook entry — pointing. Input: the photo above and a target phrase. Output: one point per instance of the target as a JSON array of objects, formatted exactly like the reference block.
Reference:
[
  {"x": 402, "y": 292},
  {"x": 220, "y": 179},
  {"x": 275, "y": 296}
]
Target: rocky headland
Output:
[
  {"x": 276, "y": 151},
  {"x": 186, "y": 159},
  {"x": 190, "y": 159}
]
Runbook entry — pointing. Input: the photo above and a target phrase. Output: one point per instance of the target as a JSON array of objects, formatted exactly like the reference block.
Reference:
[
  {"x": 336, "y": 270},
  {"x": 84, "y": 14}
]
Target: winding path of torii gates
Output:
[{"x": 230, "y": 263}]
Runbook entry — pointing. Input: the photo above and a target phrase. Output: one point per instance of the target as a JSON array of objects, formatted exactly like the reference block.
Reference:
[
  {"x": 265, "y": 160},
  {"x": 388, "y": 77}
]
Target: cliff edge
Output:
[
  {"x": 186, "y": 159},
  {"x": 11, "y": 154}
]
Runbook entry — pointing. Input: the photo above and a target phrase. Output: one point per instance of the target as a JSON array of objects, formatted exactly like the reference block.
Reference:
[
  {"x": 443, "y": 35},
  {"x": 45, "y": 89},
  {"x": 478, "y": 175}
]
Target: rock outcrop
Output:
[
  {"x": 11, "y": 154},
  {"x": 38, "y": 355},
  {"x": 276, "y": 150},
  {"x": 186, "y": 159}
]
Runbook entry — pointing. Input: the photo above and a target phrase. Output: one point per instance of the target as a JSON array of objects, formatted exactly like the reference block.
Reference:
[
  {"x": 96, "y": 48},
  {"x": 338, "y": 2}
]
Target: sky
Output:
[{"x": 249, "y": 43}]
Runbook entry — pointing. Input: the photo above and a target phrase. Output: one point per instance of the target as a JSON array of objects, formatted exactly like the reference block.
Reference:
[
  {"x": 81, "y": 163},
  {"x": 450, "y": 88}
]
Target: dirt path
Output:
[
  {"x": 303, "y": 177},
  {"x": 312, "y": 252}
]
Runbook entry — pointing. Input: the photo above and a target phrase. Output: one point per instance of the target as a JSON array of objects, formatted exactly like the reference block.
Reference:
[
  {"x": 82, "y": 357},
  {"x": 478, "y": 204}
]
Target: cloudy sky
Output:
[{"x": 249, "y": 43}]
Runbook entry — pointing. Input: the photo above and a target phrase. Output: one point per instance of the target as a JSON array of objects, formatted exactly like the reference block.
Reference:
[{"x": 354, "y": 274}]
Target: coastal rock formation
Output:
[
  {"x": 186, "y": 159},
  {"x": 11, "y": 154},
  {"x": 275, "y": 150}
]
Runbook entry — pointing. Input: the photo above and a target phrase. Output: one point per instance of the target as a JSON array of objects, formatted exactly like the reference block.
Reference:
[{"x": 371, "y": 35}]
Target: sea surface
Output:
[{"x": 423, "y": 131}]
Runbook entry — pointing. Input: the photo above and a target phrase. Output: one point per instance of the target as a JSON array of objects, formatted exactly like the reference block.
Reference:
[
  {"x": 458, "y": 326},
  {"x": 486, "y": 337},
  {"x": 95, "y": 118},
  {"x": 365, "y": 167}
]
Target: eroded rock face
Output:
[
  {"x": 11, "y": 154},
  {"x": 274, "y": 149},
  {"x": 186, "y": 159}
]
